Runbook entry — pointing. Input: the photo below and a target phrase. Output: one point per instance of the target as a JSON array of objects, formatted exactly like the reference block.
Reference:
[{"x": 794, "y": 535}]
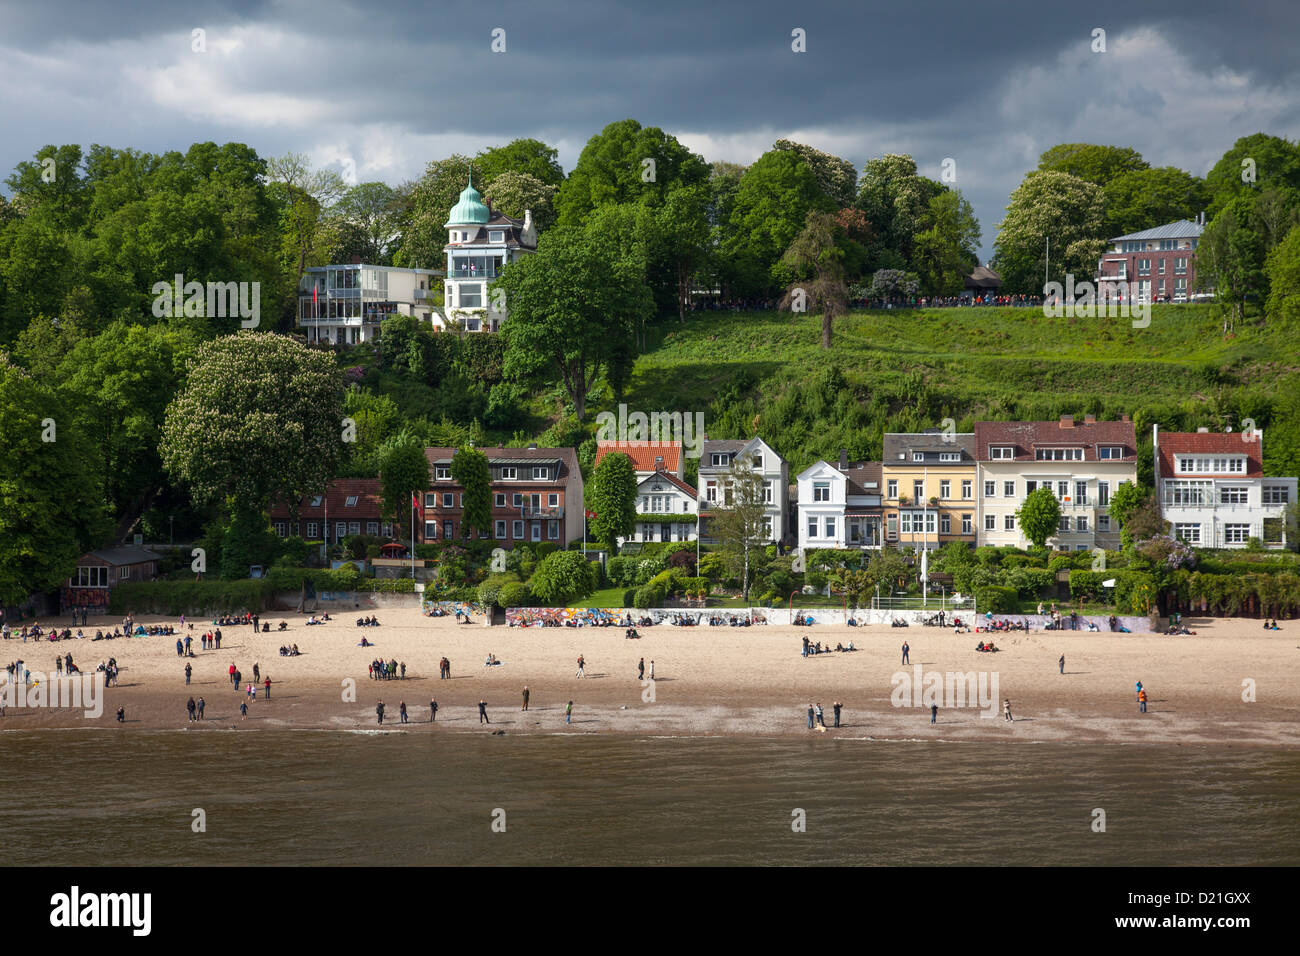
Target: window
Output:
[
  {"x": 945, "y": 524},
  {"x": 945, "y": 489},
  {"x": 812, "y": 527},
  {"x": 386, "y": 530},
  {"x": 1030, "y": 487},
  {"x": 281, "y": 529},
  {"x": 340, "y": 531},
  {"x": 1001, "y": 452},
  {"x": 500, "y": 530},
  {"x": 756, "y": 461},
  {"x": 1008, "y": 489},
  {"x": 710, "y": 491},
  {"x": 354, "y": 527},
  {"x": 767, "y": 527},
  {"x": 892, "y": 488},
  {"x": 990, "y": 523},
  {"x": 430, "y": 531},
  {"x": 1212, "y": 466},
  {"x": 312, "y": 529},
  {"x": 918, "y": 490},
  {"x": 830, "y": 527},
  {"x": 517, "y": 530},
  {"x": 1081, "y": 523},
  {"x": 499, "y": 500},
  {"x": 1058, "y": 454},
  {"x": 891, "y": 526},
  {"x": 966, "y": 490},
  {"x": 1062, "y": 489},
  {"x": 316, "y": 500},
  {"x": 1144, "y": 267},
  {"x": 1235, "y": 533},
  {"x": 1233, "y": 495},
  {"x": 509, "y": 473},
  {"x": 1160, "y": 266},
  {"x": 496, "y": 235},
  {"x": 1276, "y": 495},
  {"x": 372, "y": 527},
  {"x": 1122, "y": 272},
  {"x": 553, "y": 500},
  {"x": 950, "y": 456},
  {"x": 990, "y": 488},
  {"x": 965, "y": 524},
  {"x": 1080, "y": 492},
  {"x": 517, "y": 500},
  {"x": 430, "y": 500},
  {"x": 553, "y": 530},
  {"x": 1180, "y": 266},
  {"x": 443, "y": 472},
  {"x": 1103, "y": 524},
  {"x": 541, "y": 473},
  {"x": 449, "y": 500},
  {"x": 350, "y": 501},
  {"x": 1064, "y": 524},
  {"x": 1009, "y": 523},
  {"x": 1191, "y": 533},
  {"x": 1110, "y": 452},
  {"x": 123, "y": 573},
  {"x": 718, "y": 460},
  {"x": 918, "y": 456},
  {"x": 821, "y": 491},
  {"x": 447, "y": 529},
  {"x": 91, "y": 577},
  {"x": 1103, "y": 493}
]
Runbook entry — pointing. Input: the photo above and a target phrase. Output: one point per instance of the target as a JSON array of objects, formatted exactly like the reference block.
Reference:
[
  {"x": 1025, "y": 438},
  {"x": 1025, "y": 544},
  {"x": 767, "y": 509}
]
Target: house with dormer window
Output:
[
  {"x": 481, "y": 241},
  {"x": 839, "y": 507},
  {"x": 754, "y": 454},
  {"x": 349, "y": 506},
  {"x": 666, "y": 509}
]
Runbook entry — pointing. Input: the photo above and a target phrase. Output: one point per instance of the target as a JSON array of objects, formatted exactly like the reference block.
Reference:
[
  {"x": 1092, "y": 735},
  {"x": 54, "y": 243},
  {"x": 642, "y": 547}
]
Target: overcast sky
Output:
[{"x": 380, "y": 89}]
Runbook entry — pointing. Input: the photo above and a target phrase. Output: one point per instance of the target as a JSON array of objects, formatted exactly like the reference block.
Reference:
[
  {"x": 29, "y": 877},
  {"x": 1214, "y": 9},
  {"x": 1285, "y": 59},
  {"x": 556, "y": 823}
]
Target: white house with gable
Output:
[{"x": 754, "y": 454}]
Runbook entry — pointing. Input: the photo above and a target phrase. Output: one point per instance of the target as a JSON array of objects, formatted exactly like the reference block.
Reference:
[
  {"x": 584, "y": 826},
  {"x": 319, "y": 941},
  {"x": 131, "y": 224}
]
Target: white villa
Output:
[
  {"x": 480, "y": 242},
  {"x": 1213, "y": 491},
  {"x": 347, "y": 304},
  {"x": 756, "y": 455},
  {"x": 666, "y": 509},
  {"x": 839, "y": 507}
]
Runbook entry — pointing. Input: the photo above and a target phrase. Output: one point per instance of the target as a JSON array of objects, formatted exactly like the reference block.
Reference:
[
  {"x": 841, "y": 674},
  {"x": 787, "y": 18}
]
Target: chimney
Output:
[
  {"x": 1202, "y": 430},
  {"x": 1067, "y": 421},
  {"x": 1124, "y": 417},
  {"x": 659, "y": 462},
  {"x": 528, "y": 219},
  {"x": 844, "y": 459},
  {"x": 1090, "y": 419}
]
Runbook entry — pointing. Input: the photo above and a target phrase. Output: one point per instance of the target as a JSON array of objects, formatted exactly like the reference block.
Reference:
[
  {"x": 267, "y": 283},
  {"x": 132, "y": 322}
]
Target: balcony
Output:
[
  {"x": 473, "y": 273},
  {"x": 529, "y": 512}
]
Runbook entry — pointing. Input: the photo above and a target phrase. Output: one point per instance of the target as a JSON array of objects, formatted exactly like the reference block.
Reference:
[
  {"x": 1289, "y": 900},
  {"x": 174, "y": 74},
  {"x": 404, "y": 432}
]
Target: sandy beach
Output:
[{"x": 708, "y": 681}]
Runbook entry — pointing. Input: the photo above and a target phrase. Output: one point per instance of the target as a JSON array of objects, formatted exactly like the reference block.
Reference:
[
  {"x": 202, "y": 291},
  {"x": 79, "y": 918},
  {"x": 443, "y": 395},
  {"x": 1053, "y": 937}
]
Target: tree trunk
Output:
[{"x": 827, "y": 318}]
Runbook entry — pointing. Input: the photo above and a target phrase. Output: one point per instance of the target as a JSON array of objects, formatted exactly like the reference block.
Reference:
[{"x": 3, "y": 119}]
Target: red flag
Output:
[
  {"x": 415, "y": 501},
  {"x": 315, "y": 294},
  {"x": 591, "y": 514}
]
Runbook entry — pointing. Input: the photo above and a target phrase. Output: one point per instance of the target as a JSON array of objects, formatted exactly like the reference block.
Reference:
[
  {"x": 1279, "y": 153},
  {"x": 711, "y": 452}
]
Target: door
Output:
[{"x": 537, "y": 531}]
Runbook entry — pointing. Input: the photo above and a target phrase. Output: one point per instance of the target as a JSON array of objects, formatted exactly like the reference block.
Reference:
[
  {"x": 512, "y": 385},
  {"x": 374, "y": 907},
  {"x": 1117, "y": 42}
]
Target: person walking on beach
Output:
[
  {"x": 1006, "y": 709},
  {"x": 188, "y": 671},
  {"x": 821, "y": 716},
  {"x": 257, "y": 672},
  {"x": 433, "y": 710},
  {"x": 239, "y": 677},
  {"x": 836, "y": 707},
  {"x": 1139, "y": 690},
  {"x": 482, "y": 712},
  {"x": 379, "y": 711},
  {"x": 568, "y": 713},
  {"x": 640, "y": 669},
  {"x": 582, "y": 663},
  {"x": 202, "y": 704},
  {"x": 189, "y": 642},
  {"x": 401, "y": 709},
  {"x": 905, "y": 650},
  {"x": 180, "y": 648},
  {"x": 191, "y": 707},
  {"x": 525, "y": 707},
  {"x": 652, "y": 669},
  {"x": 243, "y": 710},
  {"x": 804, "y": 652},
  {"x": 121, "y": 715},
  {"x": 811, "y": 717},
  {"x": 217, "y": 637},
  {"x": 266, "y": 683},
  {"x": 232, "y": 672},
  {"x": 934, "y": 713},
  {"x": 1061, "y": 662},
  {"x": 1142, "y": 702}
]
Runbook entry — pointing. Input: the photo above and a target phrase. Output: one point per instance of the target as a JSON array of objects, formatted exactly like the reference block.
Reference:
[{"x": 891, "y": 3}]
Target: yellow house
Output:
[{"x": 928, "y": 485}]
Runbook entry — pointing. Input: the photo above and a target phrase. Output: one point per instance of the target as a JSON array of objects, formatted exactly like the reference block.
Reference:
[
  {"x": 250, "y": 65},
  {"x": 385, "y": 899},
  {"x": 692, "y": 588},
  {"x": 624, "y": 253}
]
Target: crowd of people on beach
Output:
[
  {"x": 811, "y": 649},
  {"x": 387, "y": 670}
]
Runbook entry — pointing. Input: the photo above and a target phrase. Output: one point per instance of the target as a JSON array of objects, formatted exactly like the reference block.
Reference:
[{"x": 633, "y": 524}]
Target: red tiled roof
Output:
[
  {"x": 644, "y": 453},
  {"x": 1210, "y": 443},
  {"x": 1026, "y": 436},
  {"x": 369, "y": 504},
  {"x": 673, "y": 480}
]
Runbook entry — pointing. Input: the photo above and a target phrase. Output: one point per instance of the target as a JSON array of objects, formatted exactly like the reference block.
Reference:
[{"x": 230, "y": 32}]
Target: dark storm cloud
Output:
[{"x": 387, "y": 89}]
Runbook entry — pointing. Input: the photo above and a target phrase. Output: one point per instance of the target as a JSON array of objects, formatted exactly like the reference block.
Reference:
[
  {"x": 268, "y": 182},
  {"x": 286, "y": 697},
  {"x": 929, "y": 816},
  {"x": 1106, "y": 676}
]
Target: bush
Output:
[
  {"x": 562, "y": 577},
  {"x": 683, "y": 561},
  {"x": 618, "y": 570},
  {"x": 388, "y": 585},
  {"x": 514, "y": 594},
  {"x": 191, "y": 597},
  {"x": 629, "y": 597},
  {"x": 1086, "y": 586},
  {"x": 999, "y": 600},
  {"x": 1028, "y": 582},
  {"x": 489, "y": 591},
  {"x": 296, "y": 550}
]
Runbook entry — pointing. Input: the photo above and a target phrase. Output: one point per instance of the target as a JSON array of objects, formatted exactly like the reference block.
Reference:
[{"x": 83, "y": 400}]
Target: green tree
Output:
[
  {"x": 611, "y": 497},
  {"x": 573, "y": 310},
  {"x": 818, "y": 262},
  {"x": 1046, "y": 205},
  {"x": 1124, "y": 501},
  {"x": 837, "y": 177},
  {"x": 562, "y": 577},
  {"x": 1254, "y": 163},
  {"x": 1145, "y": 198},
  {"x": 1088, "y": 161},
  {"x": 737, "y": 522},
  {"x": 944, "y": 252},
  {"x": 259, "y": 418},
  {"x": 303, "y": 194},
  {"x": 1039, "y": 516},
  {"x": 431, "y": 199},
  {"x": 403, "y": 473},
  {"x": 513, "y": 193},
  {"x": 470, "y": 469},
  {"x": 896, "y": 201},
  {"x": 528, "y": 157},
  {"x": 1282, "y": 269},
  {"x": 47, "y": 518},
  {"x": 1230, "y": 257},
  {"x": 371, "y": 208}
]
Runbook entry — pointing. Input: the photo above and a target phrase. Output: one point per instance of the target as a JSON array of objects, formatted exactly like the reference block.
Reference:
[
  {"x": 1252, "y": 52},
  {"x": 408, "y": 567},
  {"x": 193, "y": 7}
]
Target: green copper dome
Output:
[{"x": 470, "y": 210}]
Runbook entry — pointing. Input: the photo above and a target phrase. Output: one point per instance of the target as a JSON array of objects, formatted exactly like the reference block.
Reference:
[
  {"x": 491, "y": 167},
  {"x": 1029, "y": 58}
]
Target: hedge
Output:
[
  {"x": 997, "y": 599},
  {"x": 191, "y": 597},
  {"x": 388, "y": 585}
]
